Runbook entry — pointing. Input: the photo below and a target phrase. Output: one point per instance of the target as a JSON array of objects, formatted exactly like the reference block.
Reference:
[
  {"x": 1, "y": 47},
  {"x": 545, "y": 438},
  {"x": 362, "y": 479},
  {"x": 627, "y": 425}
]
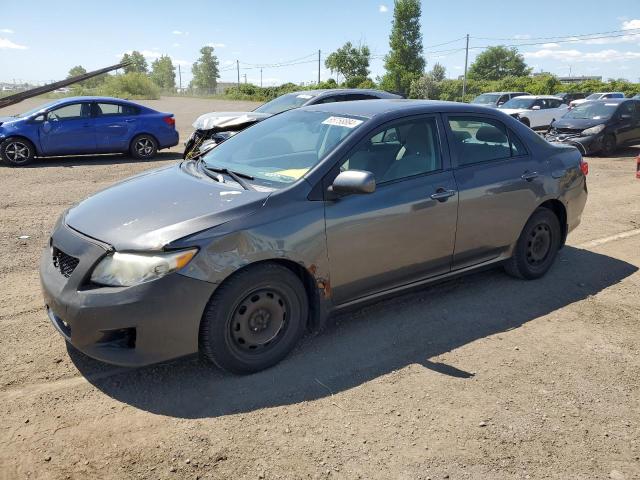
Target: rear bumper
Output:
[
  {"x": 169, "y": 139},
  {"x": 128, "y": 326}
]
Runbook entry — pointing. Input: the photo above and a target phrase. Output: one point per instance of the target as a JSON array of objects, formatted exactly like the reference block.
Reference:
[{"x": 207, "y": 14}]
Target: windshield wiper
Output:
[{"x": 236, "y": 176}]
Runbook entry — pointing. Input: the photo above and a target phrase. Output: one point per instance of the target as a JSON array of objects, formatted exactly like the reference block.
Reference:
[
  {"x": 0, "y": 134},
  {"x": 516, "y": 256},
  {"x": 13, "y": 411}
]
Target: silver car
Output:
[{"x": 238, "y": 253}]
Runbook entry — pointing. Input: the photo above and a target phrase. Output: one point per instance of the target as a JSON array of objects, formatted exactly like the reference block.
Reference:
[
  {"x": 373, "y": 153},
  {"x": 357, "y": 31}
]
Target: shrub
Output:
[{"x": 132, "y": 85}]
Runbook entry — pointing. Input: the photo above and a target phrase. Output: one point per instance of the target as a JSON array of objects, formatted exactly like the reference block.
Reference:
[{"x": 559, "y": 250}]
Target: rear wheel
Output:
[
  {"x": 537, "y": 246},
  {"x": 143, "y": 147},
  {"x": 254, "y": 319},
  {"x": 608, "y": 145},
  {"x": 17, "y": 152}
]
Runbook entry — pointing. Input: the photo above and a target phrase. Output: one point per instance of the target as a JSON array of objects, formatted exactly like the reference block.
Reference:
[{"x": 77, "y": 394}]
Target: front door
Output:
[
  {"x": 68, "y": 130},
  {"x": 405, "y": 230},
  {"x": 499, "y": 185}
]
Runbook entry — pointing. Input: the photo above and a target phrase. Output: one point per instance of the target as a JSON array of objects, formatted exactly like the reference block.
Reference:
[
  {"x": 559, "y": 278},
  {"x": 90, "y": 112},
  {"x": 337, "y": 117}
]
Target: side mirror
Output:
[
  {"x": 535, "y": 107},
  {"x": 353, "y": 182}
]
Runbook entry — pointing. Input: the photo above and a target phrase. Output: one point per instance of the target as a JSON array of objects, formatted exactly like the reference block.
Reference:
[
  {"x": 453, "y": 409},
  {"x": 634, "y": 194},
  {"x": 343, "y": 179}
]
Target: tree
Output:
[
  {"x": 77, "y": 70},
  {"x": 89, "y": 83},
  {"x": 438, "y": 72},
  {"x": 498, "y": 62},
  {"x": 137, "y": 62},
  {"x": 404, "y": 62},
  {"x": 163, "y": 73},
  {"x": 350, "y": 61},
  {"x": 205, "y": 71}
]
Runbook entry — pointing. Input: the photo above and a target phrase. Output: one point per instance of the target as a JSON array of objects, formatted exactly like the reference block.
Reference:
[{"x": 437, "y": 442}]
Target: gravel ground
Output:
[{"x": 480, "y": 377}]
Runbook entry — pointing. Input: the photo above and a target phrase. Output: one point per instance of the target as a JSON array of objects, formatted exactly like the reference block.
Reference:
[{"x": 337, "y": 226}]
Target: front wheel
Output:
[
  {"x": 143, "y": 147},
  {"x": 17, "y": 152},
  {"x": 254, "y": 319},
  {"x": 608, "y": 145},
  {"x": 537, "y": 246}
]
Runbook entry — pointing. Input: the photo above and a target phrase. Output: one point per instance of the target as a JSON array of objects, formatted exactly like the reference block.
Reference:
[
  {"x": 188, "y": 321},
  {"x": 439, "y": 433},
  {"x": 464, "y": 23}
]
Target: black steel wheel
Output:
[
  {"x": 17, "y": 152},
  {"x": 143, "y": 147},
  {"x": 537, "y": 246},
  {"x": 254, "y": 319},
  {"x": 608, "y": 145}
]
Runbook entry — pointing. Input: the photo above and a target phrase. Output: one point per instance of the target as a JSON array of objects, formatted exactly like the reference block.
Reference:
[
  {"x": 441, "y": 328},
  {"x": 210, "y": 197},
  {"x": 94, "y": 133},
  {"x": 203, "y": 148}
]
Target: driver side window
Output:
[
  {"x": 75, "y": 110},
  {"x": 403, "y": 150}
]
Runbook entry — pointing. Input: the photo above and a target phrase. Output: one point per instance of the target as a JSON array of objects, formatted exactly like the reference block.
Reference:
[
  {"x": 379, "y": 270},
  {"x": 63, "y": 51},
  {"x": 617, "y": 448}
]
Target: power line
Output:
[{"x": 558, "y": 36}]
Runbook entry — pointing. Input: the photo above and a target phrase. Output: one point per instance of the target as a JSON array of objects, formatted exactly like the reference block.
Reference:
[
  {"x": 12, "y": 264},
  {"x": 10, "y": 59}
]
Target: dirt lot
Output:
[{"x": 481, "y": 377}]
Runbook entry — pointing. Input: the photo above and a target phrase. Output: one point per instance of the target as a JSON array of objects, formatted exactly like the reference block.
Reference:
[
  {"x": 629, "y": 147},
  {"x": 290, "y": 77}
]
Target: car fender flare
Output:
[{"x": 137, "y": 134}]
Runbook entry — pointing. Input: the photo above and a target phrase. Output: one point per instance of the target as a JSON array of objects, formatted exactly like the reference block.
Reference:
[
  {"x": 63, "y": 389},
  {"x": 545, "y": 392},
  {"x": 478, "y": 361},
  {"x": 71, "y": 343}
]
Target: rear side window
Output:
[
  {"x": 478, "y": 140},
  {"x": 104, "y": 109}
]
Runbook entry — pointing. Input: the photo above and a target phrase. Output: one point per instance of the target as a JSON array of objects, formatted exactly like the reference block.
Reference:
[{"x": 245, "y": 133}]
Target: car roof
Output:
[
  {"x": 342, "y": 91},
  {"x": 372, "y": 108},
  {"x": 610, "y": 100},
  {"x": 92, "y": 99},
  {"x": 537, "y": 97},
  {"x": 501, "y": 93}
]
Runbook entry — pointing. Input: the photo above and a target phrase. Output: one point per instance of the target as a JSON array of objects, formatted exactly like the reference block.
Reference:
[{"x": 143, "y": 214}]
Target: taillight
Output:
[
  {"x": 170, "y": 121},
  {"x": 584, "y": 166}
]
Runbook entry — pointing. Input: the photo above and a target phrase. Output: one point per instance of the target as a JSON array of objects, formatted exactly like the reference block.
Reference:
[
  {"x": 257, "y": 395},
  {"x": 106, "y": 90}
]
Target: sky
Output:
[{"x": 42, "y": 41}]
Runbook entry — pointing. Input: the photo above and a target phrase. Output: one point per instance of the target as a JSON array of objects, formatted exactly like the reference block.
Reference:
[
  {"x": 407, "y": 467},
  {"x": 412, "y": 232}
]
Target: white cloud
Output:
[
  {"x": 631, "y": 24},
  {"x": 177, "y": 32},
  {"x": 5, "y": 43},
  {"x": 182, "y": 63},
  {"x": 383, "y": 9},
  {"x": 632, "y": 37},
  {"x": 578, "y": 56},
  {"x": 216, "y": 45},
  {"x": 6, "y": 30},
  {"x": 550, "y": 45},
  {"x": 176, "y": 45}
]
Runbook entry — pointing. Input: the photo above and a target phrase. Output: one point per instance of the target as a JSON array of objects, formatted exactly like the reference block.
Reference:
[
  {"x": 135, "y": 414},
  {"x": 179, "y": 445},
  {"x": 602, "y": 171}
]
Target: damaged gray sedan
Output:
[
  {"x": 238, "y": 253},
  {"x": 214, "y": 128}
]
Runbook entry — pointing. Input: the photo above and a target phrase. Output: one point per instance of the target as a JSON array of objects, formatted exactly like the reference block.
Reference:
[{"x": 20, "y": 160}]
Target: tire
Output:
[
  {"x": 17, "y": 152},
  {"x": 254, "y": 319},
  {"x": 537, "y": 246},
  {"x": 608, "y": 145},
  {"x": 143, "y": 147}
]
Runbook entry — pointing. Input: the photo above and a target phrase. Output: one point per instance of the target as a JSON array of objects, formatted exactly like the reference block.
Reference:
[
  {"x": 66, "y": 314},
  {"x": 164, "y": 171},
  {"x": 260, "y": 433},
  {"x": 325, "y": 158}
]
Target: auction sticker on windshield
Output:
[{"x": 342, "y": 122}]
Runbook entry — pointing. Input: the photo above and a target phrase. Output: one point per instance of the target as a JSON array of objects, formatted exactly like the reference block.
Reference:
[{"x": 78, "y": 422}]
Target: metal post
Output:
[
  {"x": 245, "y": 78},
  {"x": 466, "y": 59},
  {"x": 238, "y": 67},
  {"x": 180, "y": 78},
  {"x": 319, "y": 53},
  {"x": 261, "y": 78}
]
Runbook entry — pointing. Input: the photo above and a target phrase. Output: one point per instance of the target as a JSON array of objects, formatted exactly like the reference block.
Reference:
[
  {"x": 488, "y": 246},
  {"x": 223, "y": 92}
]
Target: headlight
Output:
[
  {"x": 127, "y": 269},
  {"x": 593, "y": 130}
]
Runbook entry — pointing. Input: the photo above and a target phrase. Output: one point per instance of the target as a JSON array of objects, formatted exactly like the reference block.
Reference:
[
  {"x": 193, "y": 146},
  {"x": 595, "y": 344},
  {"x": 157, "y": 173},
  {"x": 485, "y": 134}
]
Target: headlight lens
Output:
[
  {"x": 128, "y": 269},
  {"x": 593, "y": 130}
]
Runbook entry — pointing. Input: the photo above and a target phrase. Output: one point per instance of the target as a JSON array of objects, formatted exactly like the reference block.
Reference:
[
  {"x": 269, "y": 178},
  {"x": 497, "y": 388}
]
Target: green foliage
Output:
[
  {"x": 87, "y": 84},
  {"x": 132, "y": 85},
  {"x": 404, "y": 63},
  {"x": 205, "y": 72},
  {"x": 349, "y": 61},
  {"x": 138, "y": 64},
  {"x": 428, "y": 85},
  {"x": 498, "y": 62},
  {"x": 163, "y": 73}
]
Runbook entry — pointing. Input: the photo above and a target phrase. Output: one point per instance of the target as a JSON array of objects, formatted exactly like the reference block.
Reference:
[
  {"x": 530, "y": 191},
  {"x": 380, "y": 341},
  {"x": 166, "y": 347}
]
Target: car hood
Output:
[
  {"x": 228, "y": 120},
  {"x": 578, "y": 123},
  {"x": 6, "y": 120},
  {"x": 150, "y": 210}
]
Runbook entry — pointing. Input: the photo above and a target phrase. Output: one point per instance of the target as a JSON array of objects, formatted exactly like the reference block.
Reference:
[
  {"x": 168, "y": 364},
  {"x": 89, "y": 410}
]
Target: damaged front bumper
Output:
[{"x": 587, "y": 144}]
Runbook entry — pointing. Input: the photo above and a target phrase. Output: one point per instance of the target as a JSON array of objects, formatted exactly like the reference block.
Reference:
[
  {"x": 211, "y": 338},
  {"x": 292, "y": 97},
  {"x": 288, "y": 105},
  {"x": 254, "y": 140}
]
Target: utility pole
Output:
[
  {"x": 466, "y": 59},
  {"x": 245, "y": 78},
  {"x": 180, "y": 78},
  {"x": 261, "y": 78},
  {"x": 319, "y": 67},
  {"x": 238, "y": 67}
]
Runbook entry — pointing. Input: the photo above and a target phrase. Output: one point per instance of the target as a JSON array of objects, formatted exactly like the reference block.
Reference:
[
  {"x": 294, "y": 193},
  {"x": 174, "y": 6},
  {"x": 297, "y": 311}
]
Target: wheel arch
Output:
[
  {"x": 559, "y": 209},
  {"x": 137, "y": 134},
  {"x": 36, "y": 145},
  {"x": 306, "y": 277}
]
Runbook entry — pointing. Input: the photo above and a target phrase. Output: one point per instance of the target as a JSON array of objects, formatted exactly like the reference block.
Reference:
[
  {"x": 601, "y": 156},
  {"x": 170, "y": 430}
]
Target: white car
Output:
[
  {"x": 535, "y": 111},
  {"x": 597, "y": 96}
]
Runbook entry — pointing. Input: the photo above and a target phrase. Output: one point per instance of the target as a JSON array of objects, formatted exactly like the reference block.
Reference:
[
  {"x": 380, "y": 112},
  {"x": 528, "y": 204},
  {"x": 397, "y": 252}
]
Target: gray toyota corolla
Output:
[{"x": 237, "y": 253}]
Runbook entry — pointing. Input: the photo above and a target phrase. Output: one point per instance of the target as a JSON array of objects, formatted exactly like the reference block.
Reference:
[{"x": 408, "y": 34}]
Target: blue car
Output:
[{"x": 85, "y": 125}]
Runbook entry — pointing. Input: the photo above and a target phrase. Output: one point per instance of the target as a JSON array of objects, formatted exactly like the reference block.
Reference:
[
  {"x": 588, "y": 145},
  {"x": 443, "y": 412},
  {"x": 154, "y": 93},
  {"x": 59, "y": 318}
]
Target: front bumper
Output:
[
  {"x": 587, "y": 144},
  {"x": 128, "y": 326}
]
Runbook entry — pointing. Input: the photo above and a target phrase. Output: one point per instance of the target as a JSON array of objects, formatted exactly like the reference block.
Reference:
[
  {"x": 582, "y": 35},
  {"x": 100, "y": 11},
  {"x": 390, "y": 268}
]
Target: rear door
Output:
[
  {"x": 68, "y": 130},
  {"x": 499, "y": 186},
  {"x": 115, "y": 124},
  {"x": 405, "y": 230}
]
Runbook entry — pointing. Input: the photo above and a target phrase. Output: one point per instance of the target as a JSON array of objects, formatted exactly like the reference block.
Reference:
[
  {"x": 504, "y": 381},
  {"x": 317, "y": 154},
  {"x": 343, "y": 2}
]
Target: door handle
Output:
[
  {"x": 441, "y": 194},
  {"x": 529, "y": 176}
]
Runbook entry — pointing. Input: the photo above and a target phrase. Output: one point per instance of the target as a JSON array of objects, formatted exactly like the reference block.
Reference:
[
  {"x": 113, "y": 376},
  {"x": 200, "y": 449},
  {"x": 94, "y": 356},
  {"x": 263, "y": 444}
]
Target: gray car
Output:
[{"x": 238, "y": 253}]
